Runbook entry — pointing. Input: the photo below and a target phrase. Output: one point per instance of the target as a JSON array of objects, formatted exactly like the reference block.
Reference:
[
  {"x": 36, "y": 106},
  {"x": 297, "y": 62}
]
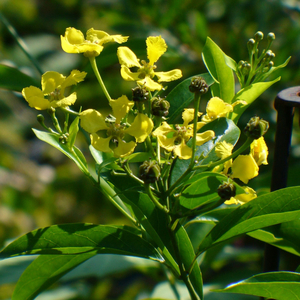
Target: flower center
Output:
[
  {"x": 55, "y": 95},
  {"x": 146, "y": 70}
]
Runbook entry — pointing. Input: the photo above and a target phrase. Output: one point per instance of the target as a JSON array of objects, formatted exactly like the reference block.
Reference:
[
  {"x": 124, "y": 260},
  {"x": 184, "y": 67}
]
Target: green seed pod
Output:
[
  {"x": 140, "y": 94},
  {"x": 198, "y": 85},
  {"x": 160, "y": 107},
  {"x": 226, "y": 190},
  {"x": 149, "y": 171},
  {"x": 256, "y": 127}
]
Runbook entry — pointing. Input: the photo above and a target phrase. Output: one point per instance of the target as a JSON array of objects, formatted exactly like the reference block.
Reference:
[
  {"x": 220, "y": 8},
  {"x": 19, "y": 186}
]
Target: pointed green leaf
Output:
[
  {"x": 273, "y": 285},
  {"x": 73, "y": 130},
  {"x": 266, "y": 210},
  {"x": 180, "y": 97},
  {"x": 82, "y": 238},
  {"x": 216, "y": 64},
  {"x": 273, "y": 69},
  {"x": 44, "y": 271},
  {"x": 204, "y": 190},
  {"x": 187, "y": 254},
  {"x": 286, "y": 236},
  {"x": 15, "y": 80},
  {"x": 74, "y": 154},
  {"x": 249, "y": 94}
]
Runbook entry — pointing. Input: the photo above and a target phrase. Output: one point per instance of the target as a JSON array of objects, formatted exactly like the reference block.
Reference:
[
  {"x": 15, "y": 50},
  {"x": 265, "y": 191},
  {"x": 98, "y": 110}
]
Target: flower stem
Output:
[
  {"x": 154, "y": 200},
  {"x": 98, "y": 76}
]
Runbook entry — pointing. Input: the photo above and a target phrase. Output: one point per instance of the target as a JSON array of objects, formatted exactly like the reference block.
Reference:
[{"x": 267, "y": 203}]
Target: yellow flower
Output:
[
  {"x": 74, "y": 41},
  {"x": 175, "y": 139},
  {"x": 109, "y": 137},
  {"x": 249, "y": 195},
  {"x": 217, "y": 108},
  {"x": 156, "y": 47},
  {"x": 52, "y": 92},
  {"x": 259, "y": 151},
  {"x": 223, "y": 149},
  {"x": 244, "y": 167}
]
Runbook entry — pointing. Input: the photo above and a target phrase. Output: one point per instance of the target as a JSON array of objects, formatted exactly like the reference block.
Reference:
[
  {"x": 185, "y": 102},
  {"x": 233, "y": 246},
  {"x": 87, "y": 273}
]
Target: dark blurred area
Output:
[{"x": 39, "y": 186}]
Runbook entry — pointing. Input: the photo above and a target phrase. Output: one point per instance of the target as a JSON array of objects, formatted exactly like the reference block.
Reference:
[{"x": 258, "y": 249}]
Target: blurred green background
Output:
[{"x": 39, "y": 186}]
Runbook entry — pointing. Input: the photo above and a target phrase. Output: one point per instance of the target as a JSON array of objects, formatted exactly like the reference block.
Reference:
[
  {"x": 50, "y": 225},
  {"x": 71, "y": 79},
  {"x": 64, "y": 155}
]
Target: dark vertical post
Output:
[{"x": 285, "y": 103}]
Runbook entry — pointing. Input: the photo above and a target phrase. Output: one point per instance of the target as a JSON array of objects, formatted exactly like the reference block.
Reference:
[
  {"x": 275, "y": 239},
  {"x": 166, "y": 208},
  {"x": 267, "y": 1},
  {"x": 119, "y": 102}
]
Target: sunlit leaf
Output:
[{"x": 273, "y": 285}]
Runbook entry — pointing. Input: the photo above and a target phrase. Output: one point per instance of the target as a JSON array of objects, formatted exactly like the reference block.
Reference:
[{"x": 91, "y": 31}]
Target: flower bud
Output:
[
  {"x": 140, "y": 94},
  {"x": 40, "y": 119},
  {"x": 250, "y": 44},
  {"x": 198, "y": 85},
  {"x": 256, "y": 127},
  {"x": 258, "y": 36},
  {"x": 63, "y": 139},
  {"x": 226, "y": 190},
  {"x": 160, "y": 107},
  {"x": 271, "y": 36},
  {"x": 149, "y": 171},
  {"x": 246, "y": 68}
]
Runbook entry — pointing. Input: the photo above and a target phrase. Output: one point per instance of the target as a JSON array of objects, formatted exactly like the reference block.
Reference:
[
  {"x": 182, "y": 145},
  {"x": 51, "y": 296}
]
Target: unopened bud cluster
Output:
[
  {"x": 198, "y": 85},
  {"x": 149, "y": 171},
  {"x": 226, "y": 190},
  {"x": 256, "y": 127},
  {"x": 140, "y": 94},
  {"x": 160, "y": 107}
]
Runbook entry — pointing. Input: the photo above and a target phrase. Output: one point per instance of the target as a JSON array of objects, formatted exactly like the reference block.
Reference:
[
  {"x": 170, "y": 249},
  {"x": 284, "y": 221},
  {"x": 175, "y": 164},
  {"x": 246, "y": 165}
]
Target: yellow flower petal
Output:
[
  {"x": 35, "y": 98},
  {"x": 127, "y": 57},
  {"x": 164, "y": 129},
  {"x": 101, "y": 37},
  {"x": 128, "y": 75},
  {"x": 150, "y": 84},
  {"x": 121, "y": 107},
  {"x": 140, "y": 128},
  {"x": 67, "y": 101},
  {"x": 183, "y": 151},
  {"x": 244, "y": 168},
  {"x": 249, "y": 195},
  {"x": 156, "y": 47},
  {"x": 51, "y": 80},
  {"x": 124, "y": 148},
  {"x": 223, "y": 149},
  {"x": 168, "y": 76},
  {"x": 259, "y": 151},
  {"x": 204, "y": 137},
  {"x": 100, "y": 143},
  {"x": 75, "y": 77},
  {"x": 216, "y": 108},
  {"x": 92, "y": 121}
]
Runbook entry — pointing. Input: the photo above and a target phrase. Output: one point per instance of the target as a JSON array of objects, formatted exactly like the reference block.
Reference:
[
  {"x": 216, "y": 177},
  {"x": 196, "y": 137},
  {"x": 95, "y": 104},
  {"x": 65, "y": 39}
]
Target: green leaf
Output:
[
  {"x": 249, "y": 94},
  {"x": 74, "y": 154},
  {"x": 286, "y": 236},
  {"x": 73, "y": 130},
  {"x": 187, "y": 255},
  {"x": 82, "y": 238},
  {"x": 15, "y": 80},
  {"x": 225, "y": 130},
  {"x": 153, "y": 220},
  {"x": 216, "y": 64},
  {"x": 204, "y": 190},
  {"x": 44, "y": 271},
  {"x": 274, "y": 69},
  {"x": 266, "y": 210},
  {"x": 273, "y": 285},
  {"x": 180, "y": 97}
]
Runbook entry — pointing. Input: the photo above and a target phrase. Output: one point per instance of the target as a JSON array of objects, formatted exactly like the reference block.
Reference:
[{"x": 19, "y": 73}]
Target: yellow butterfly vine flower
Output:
[
  {"x": 74, "y": 41},
  {"x": 243, "y": 198},
  {"x": 156, "y": 47},
  {"x": 217, "y": 108},
  {"x": 53, "y": 89},
  {"x": 110, "y": 137},
  {"x": 175, "y": 139}
]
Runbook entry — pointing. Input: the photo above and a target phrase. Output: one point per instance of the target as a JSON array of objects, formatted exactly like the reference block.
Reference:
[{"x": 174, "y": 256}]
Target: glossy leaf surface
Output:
[
  {"x": 273, "y": 285},
  {"x": 82, "y": 238},
  {"x": 266, "y": 210},
  {"x": 215, "y": 62}
]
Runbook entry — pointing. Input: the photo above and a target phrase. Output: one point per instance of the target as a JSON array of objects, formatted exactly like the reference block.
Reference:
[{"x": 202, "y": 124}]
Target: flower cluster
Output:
[{"x": 142, "y": 123}]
